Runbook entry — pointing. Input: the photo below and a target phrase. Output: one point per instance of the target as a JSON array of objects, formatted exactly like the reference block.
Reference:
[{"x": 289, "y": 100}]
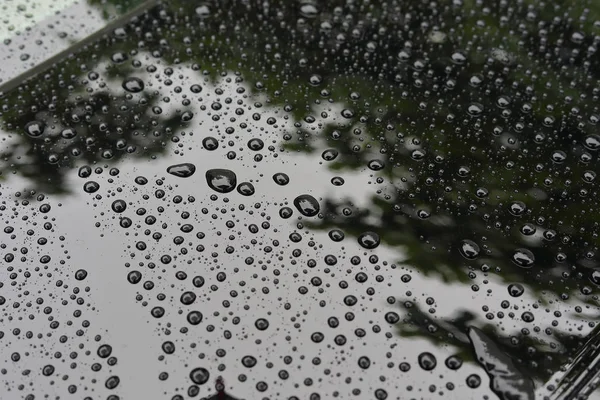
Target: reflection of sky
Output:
[
  {"x": 38, "y": 30},
  {"x": 19, "y": 15},
  {"x": 136, "y": 336}
]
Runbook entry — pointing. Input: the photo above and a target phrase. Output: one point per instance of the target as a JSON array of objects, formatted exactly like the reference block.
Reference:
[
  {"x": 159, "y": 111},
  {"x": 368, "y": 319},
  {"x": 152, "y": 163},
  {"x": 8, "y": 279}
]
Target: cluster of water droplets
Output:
[{"x": 279, "y": 224}]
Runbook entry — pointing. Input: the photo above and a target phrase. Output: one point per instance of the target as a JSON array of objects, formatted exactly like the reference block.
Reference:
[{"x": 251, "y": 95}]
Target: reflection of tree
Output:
[
  {"x": 113, "y": 8},
  {"x": 536, "y": 360},
  {"x": 107, "y": 127},
  {"x": 75, "y": 95},
  {"x": 467, "y": 120}
]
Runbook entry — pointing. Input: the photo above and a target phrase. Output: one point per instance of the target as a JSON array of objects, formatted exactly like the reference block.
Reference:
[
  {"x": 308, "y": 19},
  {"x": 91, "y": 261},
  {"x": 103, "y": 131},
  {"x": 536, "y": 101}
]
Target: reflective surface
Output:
[{"x": 322, "y": 200}]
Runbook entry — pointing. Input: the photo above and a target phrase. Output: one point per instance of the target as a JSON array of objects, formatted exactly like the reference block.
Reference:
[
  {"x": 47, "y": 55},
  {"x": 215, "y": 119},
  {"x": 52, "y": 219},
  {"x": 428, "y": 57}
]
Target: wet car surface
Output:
[{"x": 301, "y": 200}]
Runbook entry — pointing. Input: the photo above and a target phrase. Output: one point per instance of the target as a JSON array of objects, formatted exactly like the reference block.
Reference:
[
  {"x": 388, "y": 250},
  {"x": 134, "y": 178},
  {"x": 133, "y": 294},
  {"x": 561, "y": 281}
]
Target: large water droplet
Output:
[
  {"x": 469, "y": 249},
  {"x": 375, "y": 165},
  {"x": 221, "y": 180},
  {"x": 133, "y": 84},
  {"x": 517, "y": 208},
  {"x": 91, "y": 187},
  {"x": 249, "y": 361},
  {"x": 595, "y": 277},
  {"x": 515, "y": 289},
  {"x": 592, "y": 142},
  {"x": 308, "y": 10},
  {"x": 475, "y": 109},
  {"x": 199, "y": 376},
  {"x": 184, "y": 170},
  {"x": 523, "y": 258},
  {"x": 203, "y": 11},
  {"x": 427, "y": 361},
  {"x": 119, "y": 206},
  {"x": 329, "y": 154},
  {"x": 245, "y": 189},
  {"x": 369, "y": 240},
  {"x": 453, "y": 362},
  {"x": 35, "y": 128},
  {"x": 307, "y": 205},
  {"x": 281, "y": 179}
]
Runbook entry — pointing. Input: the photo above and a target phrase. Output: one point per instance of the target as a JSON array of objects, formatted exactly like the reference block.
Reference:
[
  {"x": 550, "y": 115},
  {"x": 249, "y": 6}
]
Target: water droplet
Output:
[
  {"x": 245, "y": 189},
  {"x": 281, "y": 179},
  {"x": 261, "y": 324},
  {"x": 221, "y": 180},
  {"x": 210, "y": 143},
  {"x": 119, "y": 206},
  {"x": 475, "y": 109},
  {"x": 91, "y": 187},
  {"x": 194, "y": 317},
  {"x": 459, "y": 58},
  {"x": 473, "y": 381},
  {"x": 203, "y": 11},
  {"x": 307, "y": 205},
  {"x": 502, "y": 56},
  {"x": 364, "y": 362},
  {"x": 337, "y": 181},
  {"x": 469, "y": 249},
  {"x": 515, "y": 289},
  {"x": 330, "y": 154},
  {"x": 184, "y": 170},
  {"x": 392, "y": 317},
  {"x": 285, "y": 212},
  {"x": 589, "y": 176},
  {"x": 133, "y": 84},
  {"x": 523, "y": 258},
  {"x": 336, "y": 235},
  {"x": 80, "y": 274},
  {"x": 249, "y": 361},
  {"x": 595, "y": 277},
  {"x": 592, "y": 142},
  {"x": 256, "y": 144},
  {"x": 35, "y": 128},
  {"x": 315, "y": 79},
  {"x": 528, "y": 229},
  {"x": 517, "y": 208},
  {"x": 559, "y": 156},
  {"x": 112, "y": 382},
  {"x": 104, "y": 351},
  {"x": 48, "y": 370},
  {"x": 199, "y": 375},
  {"x": 376, "y": 165},
  {"x": 68, "y": 133},
  {"x": 369, "y": 240},
  {"x": 453, "y": 362},
  {"x": 309, "y": 10},
  {"x": 427, "y": 361}
]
